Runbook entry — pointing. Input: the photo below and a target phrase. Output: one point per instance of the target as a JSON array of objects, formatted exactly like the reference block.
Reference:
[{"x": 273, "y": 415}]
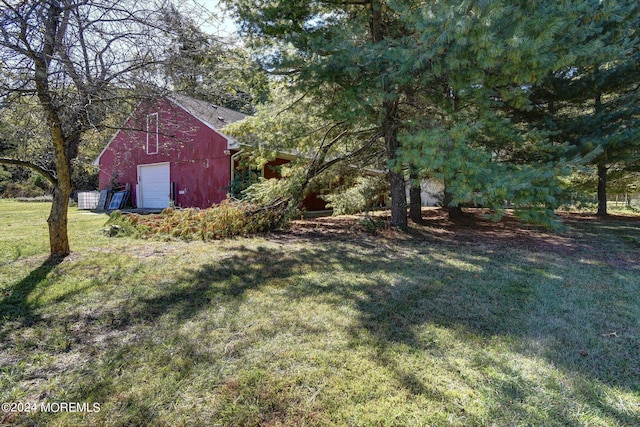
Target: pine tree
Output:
[
  {"x": 445, "y": 84},
  {"x": 345, "y": 54},
  {"x": 594, "y": 104}
]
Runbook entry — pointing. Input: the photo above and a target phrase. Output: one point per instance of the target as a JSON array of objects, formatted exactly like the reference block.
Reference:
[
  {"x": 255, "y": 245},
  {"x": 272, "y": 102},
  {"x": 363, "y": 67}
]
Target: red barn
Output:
[{"x": 172, "y": 152}]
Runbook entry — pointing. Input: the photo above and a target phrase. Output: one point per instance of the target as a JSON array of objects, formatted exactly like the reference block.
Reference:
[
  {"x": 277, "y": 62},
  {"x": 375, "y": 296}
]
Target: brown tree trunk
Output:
[
  {"x": 57, "y": 221},
  {"x": 389, "y": 127},
  {"x": 396, "y": 176},
  {"x": 602, "y": 190},
  {"x": 453, "y": 212},
  {"x": 58, "y": 217},
  {"x": 398, "y": 200},
  {"x": 415, "y": 197},
  {"x": 58, "y": 236}
]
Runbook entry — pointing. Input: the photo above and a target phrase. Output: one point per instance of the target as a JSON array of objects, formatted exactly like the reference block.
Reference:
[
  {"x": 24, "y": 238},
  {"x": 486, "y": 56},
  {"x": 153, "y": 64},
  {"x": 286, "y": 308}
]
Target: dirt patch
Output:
[{"x": 475, "y": 228}]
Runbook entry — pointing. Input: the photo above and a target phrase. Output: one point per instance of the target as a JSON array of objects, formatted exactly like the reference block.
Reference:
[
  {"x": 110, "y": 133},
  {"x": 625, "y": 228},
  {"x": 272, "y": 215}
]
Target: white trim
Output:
[
  {"x": 233, "y": 165},
  {"x": 153, "y": 132},
  {"x": 232, "y": 143}
]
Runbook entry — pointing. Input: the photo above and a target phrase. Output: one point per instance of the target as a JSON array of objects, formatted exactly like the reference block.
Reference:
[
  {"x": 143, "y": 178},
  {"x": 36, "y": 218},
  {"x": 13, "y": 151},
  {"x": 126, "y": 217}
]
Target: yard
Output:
[{"x": 476, "y": 324}]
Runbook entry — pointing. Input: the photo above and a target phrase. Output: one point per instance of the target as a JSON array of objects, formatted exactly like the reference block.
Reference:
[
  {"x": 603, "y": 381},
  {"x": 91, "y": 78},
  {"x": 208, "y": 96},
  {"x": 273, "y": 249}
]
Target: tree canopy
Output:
[
  {"x": 450, "y": 89},
  {"x": 211, "y": 68},
  {"x": 595, "y": 103}
]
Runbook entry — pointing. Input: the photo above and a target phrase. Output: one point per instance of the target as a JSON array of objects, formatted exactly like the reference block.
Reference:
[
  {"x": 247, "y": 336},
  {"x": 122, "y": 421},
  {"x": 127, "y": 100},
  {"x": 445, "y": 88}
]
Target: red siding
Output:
[{"x": 199, "y": 166}]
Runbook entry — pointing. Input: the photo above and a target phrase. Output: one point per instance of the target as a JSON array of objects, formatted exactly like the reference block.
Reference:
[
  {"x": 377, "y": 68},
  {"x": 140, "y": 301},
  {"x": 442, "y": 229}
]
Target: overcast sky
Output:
[{"x": 217, "y": 22}]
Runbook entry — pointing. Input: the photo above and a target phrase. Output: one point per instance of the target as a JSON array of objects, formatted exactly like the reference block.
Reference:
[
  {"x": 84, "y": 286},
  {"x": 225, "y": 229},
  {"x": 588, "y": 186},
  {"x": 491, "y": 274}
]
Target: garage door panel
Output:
[{"x": 153, "y": 186}]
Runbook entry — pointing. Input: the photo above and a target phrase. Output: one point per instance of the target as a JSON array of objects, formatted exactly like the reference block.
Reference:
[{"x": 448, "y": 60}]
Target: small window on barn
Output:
[{"x": 152, "y": 133}]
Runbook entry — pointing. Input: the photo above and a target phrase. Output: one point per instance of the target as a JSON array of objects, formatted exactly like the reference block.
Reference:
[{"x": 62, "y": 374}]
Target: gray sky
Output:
[{"x": 218, "y": 23}]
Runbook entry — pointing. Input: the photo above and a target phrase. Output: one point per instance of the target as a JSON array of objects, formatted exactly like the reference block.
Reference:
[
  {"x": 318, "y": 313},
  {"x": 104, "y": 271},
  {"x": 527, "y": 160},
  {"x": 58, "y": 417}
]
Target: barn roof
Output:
[{"x": 214, "y": 115}]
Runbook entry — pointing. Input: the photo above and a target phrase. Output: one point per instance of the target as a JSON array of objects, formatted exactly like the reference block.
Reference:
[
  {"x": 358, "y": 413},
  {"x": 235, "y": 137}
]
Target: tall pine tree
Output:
[
  {"x": 594, "y": 104},
  {"x": 445, "y": 84}
]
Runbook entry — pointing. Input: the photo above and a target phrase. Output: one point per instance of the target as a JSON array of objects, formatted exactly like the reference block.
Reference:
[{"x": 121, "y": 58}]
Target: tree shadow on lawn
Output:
[
  {"x": 14, "y": 307},
  {"x": 479, "y": 299},
  {"x": 403, "y": 288}
]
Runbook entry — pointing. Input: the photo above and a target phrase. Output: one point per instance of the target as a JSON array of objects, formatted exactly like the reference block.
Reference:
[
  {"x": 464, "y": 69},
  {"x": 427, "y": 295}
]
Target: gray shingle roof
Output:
[{"x": 214, "y": 115}]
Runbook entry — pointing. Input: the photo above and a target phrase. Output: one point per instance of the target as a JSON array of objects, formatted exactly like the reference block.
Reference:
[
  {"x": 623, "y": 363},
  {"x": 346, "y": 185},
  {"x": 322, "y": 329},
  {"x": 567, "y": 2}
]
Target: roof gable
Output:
[{"x": 213, "y": 116}]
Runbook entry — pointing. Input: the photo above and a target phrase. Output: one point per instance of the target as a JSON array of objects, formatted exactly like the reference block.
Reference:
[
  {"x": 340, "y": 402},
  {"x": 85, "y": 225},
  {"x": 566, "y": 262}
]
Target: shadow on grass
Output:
[
  {"x": 14, "y": 307},
  {"x": 484, "y": 295},
  {"x": 397, "y": 292},
  {"x": 212, "y": 284}
]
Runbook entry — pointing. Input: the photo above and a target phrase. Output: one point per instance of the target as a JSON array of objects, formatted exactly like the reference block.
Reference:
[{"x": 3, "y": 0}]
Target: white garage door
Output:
[{"x": 153, "y": 186}]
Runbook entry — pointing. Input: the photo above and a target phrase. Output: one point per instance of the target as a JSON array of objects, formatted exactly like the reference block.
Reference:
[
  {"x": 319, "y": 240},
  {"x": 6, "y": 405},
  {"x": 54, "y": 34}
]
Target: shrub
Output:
[
  {"x": 243, "y": 180},
  {"x": 374, "y": 223},
  {"x": 27, "y": 189}
]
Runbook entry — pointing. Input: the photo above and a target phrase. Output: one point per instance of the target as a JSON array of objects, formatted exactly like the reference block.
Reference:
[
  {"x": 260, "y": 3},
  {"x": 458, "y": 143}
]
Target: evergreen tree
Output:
[
  {"x": 342, "y": 53},
  {"x": 445, "y": 84},
  {"x": 594, "y": 103},
  {"x": 297, "y": 125}
]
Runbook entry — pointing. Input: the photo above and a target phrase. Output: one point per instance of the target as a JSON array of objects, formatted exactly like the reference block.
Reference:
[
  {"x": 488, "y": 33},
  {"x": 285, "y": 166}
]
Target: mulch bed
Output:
[{"x": 474, "y": 228}]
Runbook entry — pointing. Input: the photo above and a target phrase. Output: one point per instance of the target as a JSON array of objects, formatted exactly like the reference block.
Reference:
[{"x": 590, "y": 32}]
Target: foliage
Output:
[
  {"x": 23, "y": 132},
  {"x": 374, "y": 223},
  {"x": 475, "y": 176},
  {"x": 409, "y": 69},
  {"x": 331, "y": 56},
  {"x": 297, "y": 126},
  {"x": 594, "y": 102},
  {"x": 23, "y": 135},
  {"x": 35, "y": 186},
  {"x": 241, "y": 181},
  {"x": 230, "y": 218},
  {"x": 366, "y": 193},
  {"x": 75, "y": 60}
]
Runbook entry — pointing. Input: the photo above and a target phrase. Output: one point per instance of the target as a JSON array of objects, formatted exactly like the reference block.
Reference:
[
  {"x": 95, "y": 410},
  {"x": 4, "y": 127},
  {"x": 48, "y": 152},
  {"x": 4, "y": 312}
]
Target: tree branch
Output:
[{"x": 49, "y": 175}]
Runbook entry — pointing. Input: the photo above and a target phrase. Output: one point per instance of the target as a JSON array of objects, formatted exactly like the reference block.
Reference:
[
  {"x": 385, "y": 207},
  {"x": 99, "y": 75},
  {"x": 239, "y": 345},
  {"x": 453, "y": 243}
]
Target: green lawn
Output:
[{"x": 440, "y": 326}]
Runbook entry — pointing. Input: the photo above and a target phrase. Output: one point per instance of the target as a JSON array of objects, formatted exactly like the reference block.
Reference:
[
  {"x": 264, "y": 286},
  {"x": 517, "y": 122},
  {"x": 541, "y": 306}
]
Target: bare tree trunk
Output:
[
  {"x": 602, "y": 190},
  {"x": 415, "y": 197}
]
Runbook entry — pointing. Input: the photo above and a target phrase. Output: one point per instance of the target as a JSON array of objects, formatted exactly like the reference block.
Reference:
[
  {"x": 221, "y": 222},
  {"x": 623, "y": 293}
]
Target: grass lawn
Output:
[{"x": 324, "y": 324}]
